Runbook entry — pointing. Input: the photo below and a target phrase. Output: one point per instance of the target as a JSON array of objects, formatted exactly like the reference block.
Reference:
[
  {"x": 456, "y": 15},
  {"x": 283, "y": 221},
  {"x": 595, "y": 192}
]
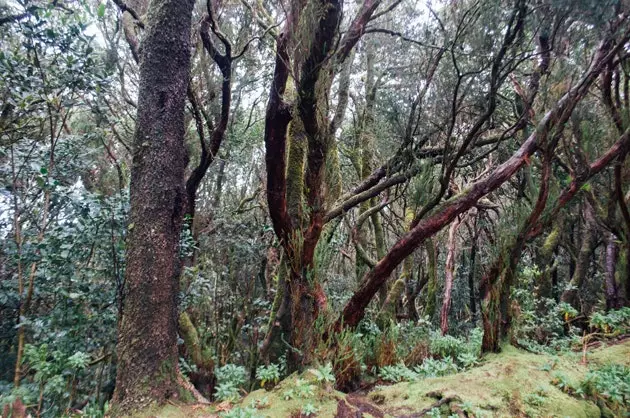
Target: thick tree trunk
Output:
[
  {"x": 313, "y": 68},
  {"x": 147, "y": 346}
]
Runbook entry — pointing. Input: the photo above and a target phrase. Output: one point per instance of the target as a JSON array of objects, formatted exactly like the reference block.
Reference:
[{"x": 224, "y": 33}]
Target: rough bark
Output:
[{"x": 147, "y": 345}]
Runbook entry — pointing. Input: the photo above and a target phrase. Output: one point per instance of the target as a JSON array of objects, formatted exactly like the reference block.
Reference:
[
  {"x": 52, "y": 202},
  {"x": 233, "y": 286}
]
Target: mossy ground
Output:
[
  {"x": 178, "y": 411},
  {"x": 513, "y": 383}
]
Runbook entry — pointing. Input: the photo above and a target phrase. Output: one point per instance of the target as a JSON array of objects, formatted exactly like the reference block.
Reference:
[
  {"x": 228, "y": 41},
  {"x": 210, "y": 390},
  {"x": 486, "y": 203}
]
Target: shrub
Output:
[
  {"x": 268, "y": 374},
  {"x": 230, "y": 379},
  {"x": 610, "y": 384}
]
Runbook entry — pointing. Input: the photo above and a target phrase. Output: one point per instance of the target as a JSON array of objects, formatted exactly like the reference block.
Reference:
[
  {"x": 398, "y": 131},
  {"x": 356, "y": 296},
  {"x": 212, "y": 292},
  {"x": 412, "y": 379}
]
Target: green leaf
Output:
[{"x": 100, "y": 12}]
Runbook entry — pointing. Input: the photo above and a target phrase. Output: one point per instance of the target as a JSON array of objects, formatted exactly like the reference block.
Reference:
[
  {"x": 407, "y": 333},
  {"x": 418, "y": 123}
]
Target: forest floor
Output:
[{"x": 513, "y": 383}]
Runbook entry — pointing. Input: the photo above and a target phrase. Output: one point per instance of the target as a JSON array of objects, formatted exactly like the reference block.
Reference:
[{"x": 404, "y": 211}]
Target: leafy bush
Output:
[
  {"x": 465, "y": 352},
  {"x": 397, "y": 373},
  {"x": 270, "y": 373},
  {"x": 543, "y": 325},
  {"x": 230, "y": 379},
  {"x": 614, "y": 321},
  {"x": 611, "y": 384},
  {"x": 324, "y": 374},
  {"x": 436, "y": 368},
  {"x": 55, "y": 374},
  {"x": 309, "y": 409},
  {"x": 302, "y": 389},
  {"x": 238, "y": 412}
]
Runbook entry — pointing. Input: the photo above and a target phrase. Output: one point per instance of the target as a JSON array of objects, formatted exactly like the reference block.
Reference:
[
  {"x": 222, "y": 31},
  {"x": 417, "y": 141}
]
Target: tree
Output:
[
  {"x": 147, "y": 348},
  {"x": 354, "y": 310},
  {"x": 303, "y": 127}
]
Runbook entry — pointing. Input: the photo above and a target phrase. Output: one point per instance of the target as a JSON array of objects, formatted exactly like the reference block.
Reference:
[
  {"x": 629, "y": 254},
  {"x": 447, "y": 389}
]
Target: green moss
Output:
[
  {"x": 432, "y": 286},
  {"x": 619, "y": 353},
  {"x": 175, "y": 411},
  {"x": 512, "y": 383},
  {"x": 551, "y": 242},
  {"x": 277, "y": 403}
]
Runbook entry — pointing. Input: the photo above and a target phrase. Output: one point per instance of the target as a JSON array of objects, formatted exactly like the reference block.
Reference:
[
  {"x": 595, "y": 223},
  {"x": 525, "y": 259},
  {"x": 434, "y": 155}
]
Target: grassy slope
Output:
[{"x": 512, "y": 383}]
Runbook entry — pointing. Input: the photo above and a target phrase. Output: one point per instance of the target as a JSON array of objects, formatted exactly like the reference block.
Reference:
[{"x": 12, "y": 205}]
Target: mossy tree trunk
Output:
[
  {"x": 147, "y": 344},
  {"x": 387, "y": 314},
  {"x": 546, "y": 287},
  {"x": 588, "y": 239},
  {"x": 449, "y": 270},
  {"x": 472, "y": 260},
  {"x": 432, "y": 285},
  {"x": 314, "y": 27}
]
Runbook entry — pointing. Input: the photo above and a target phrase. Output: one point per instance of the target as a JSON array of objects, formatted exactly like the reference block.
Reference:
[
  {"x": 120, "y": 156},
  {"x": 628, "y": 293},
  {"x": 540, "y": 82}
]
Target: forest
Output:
[{"x": 314, "y": 208}]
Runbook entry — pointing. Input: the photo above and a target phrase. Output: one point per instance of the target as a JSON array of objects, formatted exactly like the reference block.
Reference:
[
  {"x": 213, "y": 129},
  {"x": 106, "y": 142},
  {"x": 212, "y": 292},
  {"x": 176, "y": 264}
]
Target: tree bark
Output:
[
  {"x": 471, "y": 273},
  {"x": 451, "y": 255},
  {"x": 147, "y": 346},
  {"x": 313, "y": 68},
  {"x": 611, "y": 286},
  {"x": 588, "y": 240}
]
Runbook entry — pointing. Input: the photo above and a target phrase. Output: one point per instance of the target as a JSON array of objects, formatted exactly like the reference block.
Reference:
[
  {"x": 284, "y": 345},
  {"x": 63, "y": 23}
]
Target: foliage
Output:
[
  {"x": 543, "y": 324},
  {"x": 324, "y": 374},
  {"x": 302, "y": 389},
  {"x": 436, "y": 368},
  {"x": 230, "y": 380},
  {"x": 55, "y": 375},
  {"x": 270, "y": 373},
  {"x": 396, "y": 373},
  {"x": 614, "y": 321},
  {"x": 239, "y": 412},
  {"x": 611, "y": 384},
  {"x": 309, "y": 409}
]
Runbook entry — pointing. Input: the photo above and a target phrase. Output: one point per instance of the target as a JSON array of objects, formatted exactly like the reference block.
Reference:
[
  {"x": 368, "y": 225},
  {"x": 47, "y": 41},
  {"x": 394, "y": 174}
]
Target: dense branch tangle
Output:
[{"x": 296, "y": 124}]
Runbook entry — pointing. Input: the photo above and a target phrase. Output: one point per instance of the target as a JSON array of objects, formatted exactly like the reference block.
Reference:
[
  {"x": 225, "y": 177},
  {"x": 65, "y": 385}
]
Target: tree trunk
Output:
[
  {"x": 471, "y": 274},
  {"x": 449, "y": 270},
  {"x": 432, "y": 286},
  {"x": 312, "y": 68},
  {"x": 147, "y": 346},
  {"x": 612, "y": 288},
  {"x": 387, "y": 314},
  {"x": 545, "y": 282},
  {"x": 588, "y": 239}
]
